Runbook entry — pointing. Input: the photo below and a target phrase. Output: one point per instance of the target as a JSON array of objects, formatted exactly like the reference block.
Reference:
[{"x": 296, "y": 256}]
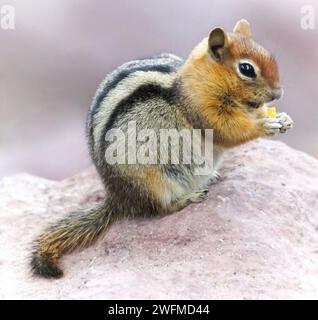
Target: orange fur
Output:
[
  {"x": 154, "y": 182},
  {"x": 220, "y": 96}
]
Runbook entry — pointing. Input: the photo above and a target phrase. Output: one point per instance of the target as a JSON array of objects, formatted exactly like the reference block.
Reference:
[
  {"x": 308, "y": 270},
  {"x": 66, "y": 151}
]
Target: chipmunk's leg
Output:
[
  {"x": 286, "y": 122},
  {"x": 183, "y": 201}
]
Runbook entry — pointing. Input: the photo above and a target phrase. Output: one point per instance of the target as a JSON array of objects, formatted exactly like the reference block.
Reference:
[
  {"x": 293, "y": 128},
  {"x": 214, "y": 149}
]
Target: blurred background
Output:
[{"x": 59, "y": 51}]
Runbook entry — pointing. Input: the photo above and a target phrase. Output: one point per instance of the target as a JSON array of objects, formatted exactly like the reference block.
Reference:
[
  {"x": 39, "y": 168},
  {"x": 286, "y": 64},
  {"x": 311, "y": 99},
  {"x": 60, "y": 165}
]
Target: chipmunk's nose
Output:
[{"x": 277, "y": 93}]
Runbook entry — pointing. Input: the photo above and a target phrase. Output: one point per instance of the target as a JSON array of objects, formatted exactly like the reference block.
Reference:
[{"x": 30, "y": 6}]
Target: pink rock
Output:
[{"x": 255, "y": 236}]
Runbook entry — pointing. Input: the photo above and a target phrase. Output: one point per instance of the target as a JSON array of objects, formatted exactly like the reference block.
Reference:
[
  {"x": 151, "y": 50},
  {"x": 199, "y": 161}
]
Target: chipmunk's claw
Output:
[
  {"x": 198, "y": 196},
  {"x": 286, "y": 121}
]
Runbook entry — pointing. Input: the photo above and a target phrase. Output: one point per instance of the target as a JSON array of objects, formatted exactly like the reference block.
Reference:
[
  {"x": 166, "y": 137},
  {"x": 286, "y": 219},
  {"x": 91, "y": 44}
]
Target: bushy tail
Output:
[{"x": 77, "y": 231}]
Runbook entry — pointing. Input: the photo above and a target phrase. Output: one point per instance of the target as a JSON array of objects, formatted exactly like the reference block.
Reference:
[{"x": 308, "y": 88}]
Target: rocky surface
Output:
[{"x": 256, "y": 236}]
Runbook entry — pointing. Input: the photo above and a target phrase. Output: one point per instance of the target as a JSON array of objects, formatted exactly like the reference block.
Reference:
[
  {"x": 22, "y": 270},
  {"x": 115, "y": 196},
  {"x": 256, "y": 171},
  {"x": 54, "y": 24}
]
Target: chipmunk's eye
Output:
[{"x": 247, "y": 70}]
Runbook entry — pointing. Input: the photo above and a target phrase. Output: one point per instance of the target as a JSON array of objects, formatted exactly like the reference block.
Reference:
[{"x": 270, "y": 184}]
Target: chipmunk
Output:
[{"x": 223, "y": 85}]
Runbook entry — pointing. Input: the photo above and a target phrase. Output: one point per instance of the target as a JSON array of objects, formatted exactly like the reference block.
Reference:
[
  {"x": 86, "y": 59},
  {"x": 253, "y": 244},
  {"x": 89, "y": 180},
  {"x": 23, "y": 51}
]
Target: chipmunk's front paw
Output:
[
  {"x": 286, "y": 122},
  {"x": 271, "y": 126},
  {"x": 216, "y": 177}
]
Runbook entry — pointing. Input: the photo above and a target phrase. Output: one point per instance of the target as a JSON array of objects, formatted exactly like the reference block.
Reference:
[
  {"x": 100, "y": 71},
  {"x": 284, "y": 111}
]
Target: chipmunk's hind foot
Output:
[{"x": 184, "y": 201}]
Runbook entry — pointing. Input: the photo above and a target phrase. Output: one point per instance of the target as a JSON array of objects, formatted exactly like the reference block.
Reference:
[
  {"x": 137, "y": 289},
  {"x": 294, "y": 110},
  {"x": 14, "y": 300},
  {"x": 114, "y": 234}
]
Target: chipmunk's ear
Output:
[
  {"x": 243, "y": 27},
  {"x": 218, "y": 44}
]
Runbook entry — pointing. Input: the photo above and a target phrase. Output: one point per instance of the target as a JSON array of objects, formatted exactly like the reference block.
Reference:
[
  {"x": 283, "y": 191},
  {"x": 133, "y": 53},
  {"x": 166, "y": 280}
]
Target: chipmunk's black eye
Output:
[{"x": 247, "y": 70}]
